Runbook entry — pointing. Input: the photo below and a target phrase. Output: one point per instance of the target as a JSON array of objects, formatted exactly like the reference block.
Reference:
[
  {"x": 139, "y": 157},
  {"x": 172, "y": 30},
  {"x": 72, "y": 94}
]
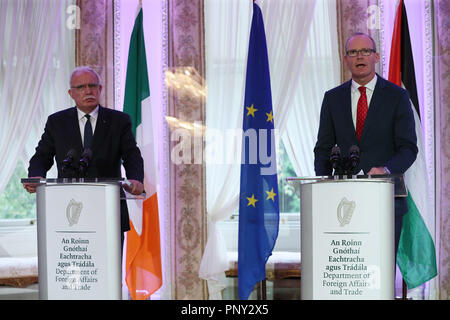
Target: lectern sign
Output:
[
  {"x": 75, "y": 248},
  {"x": 347, "y": 240},
  {"x": 79, "y": 241}
]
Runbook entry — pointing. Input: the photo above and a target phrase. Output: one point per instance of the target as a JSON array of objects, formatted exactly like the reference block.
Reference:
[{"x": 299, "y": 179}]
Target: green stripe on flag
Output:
[
  {"x": 416, "y": 256},
  {"x": 136, "y": 87}
]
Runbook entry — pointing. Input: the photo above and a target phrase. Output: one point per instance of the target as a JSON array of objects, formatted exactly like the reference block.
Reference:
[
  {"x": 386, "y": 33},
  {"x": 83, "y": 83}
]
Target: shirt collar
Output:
[
  {"x": 93, "y": 114},
  {"x": 370, "y": 85}
]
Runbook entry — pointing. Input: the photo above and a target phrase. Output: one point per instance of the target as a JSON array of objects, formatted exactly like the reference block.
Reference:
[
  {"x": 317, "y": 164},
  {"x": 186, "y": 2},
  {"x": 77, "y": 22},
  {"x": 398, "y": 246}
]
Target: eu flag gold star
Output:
[
  {"x": 252, "y": 201},
  {"x": 251, "y": 111},
  {"x": 271, "y": 195},
  {"x": 269, "y": 117}
]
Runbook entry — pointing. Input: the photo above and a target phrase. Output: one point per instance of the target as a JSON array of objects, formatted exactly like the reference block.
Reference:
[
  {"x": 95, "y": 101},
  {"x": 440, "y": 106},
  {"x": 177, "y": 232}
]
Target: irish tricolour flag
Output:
[
  {"x": 143, "y": 254},
  {"x": 416, "y": 256}
]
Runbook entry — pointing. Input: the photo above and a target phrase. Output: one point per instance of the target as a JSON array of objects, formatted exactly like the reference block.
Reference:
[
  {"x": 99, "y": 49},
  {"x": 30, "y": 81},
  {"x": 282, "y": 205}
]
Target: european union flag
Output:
[{"x": 258, "y": 203}]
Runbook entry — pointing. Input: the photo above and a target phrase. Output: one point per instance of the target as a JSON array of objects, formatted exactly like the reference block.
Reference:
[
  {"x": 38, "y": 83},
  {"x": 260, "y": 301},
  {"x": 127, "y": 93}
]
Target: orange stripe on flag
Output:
[{"x": 143, "y": 265}]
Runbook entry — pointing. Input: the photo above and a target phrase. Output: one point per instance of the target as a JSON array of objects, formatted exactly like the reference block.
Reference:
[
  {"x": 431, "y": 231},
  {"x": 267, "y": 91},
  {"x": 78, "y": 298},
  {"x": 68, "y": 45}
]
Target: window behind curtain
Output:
[{"x": 15, "y": 202}]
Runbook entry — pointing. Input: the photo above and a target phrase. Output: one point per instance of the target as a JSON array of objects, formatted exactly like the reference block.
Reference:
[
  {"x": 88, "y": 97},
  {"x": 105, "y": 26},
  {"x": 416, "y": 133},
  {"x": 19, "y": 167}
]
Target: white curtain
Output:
[
  {"x": 36, "y": 52},
  {"x": 289, "y": 26},
  {"x": 320, "y": 72},
  {"x": 227, "y": 29}
]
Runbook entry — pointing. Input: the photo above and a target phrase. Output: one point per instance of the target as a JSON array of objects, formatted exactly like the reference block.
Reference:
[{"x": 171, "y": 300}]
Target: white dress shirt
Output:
[
  {"x": 370, "y": 86},
  {"x": 82, "y": 121}
]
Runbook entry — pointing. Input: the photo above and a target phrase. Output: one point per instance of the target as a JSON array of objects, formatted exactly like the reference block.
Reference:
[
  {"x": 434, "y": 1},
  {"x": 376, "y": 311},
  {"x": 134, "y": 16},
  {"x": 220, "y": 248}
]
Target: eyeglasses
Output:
[
  {"x": 83, "y": 87},
  {"x": 364, "y": 52}
]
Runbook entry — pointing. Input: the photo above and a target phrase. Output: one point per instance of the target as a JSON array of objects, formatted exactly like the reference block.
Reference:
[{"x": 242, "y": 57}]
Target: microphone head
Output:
[
  {"x": 336, "y": 150},
  {"x": 84, "y": 160},
  {"x": 71, "y": 153},
  {"x": 67, "y": 162},
  {"x": 87, "y": 154},
  {"x": 354, "y": 150},
  {"x": 335, "y": 157},
  {"x": 353, "y": 156},
  {"x": 69, "y": 157}
]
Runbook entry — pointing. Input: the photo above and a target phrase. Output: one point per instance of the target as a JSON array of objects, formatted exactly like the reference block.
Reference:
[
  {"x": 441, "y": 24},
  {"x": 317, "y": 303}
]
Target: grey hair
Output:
[
  {"x": 83, "y": 69},
  {"x": 361, "y": 34}
]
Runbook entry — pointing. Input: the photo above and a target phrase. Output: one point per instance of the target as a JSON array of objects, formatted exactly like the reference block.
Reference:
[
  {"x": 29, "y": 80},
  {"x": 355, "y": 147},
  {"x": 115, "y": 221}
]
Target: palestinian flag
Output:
[{"x": 416, "y": 256}]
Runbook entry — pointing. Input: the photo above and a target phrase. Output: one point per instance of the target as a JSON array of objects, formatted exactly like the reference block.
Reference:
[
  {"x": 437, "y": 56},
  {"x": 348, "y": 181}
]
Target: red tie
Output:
[{"x": 361, "y": 112}]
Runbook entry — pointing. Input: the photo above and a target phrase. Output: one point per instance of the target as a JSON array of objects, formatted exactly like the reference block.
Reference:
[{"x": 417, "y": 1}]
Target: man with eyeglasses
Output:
[
  {"x": 106, "y": 132},
  {"x": 371, "y": 113}
]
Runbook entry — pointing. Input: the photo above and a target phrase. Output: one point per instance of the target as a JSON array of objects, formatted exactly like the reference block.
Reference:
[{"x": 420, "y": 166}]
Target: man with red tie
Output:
[{"x": 371, "y": 113}]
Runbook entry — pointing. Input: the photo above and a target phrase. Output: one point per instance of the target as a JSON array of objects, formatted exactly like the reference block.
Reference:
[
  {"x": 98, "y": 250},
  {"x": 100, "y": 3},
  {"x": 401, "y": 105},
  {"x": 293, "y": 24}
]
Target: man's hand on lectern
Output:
[
  {"x": 31, "y": 187},
  {"x": 377, "y": 170},
  {"x": 135, "y": 187}
]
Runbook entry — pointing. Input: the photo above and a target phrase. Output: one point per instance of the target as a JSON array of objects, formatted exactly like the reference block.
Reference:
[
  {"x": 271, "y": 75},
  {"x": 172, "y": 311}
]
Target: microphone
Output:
[
  {"x": 335, "y": 159},
  {"x": 67, "y": 162},
  {"x": 84, "y": 160},
  {"x": 353, "y": 156}
]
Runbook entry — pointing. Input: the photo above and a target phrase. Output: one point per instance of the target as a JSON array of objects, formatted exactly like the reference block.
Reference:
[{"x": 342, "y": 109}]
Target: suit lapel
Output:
[
  {"x": 374, "y": 107},
  {"x": 73, "y": 127},
  {"x": 346, "y": 98},
  {"x": 101, "y": 127}
]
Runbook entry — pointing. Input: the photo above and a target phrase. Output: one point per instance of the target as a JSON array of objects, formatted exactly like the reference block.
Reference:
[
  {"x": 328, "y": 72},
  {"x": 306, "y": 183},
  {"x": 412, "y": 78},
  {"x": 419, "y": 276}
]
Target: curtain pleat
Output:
[{"x": 29, "y": 86}]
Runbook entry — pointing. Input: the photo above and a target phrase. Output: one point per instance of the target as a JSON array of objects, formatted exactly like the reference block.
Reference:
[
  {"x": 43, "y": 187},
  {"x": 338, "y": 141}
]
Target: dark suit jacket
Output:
[
  {"x": 388, "y": 138},
  {"x": 113, "y": 143}
]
